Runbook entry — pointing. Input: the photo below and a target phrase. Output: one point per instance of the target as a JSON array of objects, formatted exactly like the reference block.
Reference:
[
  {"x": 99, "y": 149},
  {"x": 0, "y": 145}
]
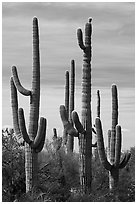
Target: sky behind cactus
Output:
[{"x": 113, "y": 61}]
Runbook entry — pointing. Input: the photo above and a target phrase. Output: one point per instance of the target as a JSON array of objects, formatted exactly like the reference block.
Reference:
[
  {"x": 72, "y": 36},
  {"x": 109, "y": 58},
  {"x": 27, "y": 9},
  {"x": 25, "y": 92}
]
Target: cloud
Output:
[{"x": 112, "y": 40}]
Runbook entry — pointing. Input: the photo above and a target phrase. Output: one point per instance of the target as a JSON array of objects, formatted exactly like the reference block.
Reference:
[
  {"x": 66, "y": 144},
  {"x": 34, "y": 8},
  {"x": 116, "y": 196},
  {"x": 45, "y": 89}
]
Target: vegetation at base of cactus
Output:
[
  {"x": 113, "y": 163},
  {"x": 35, "y": 138},
  {"x": 13, "y": 171},
  {"x": 55, "y": 184},
  {"x": 61, "y": 173}
]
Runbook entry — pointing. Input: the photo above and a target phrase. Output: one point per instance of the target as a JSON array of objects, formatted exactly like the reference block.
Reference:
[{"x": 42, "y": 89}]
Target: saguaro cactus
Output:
[
  {"x": 112, "y": 163},
  {"x": 69, "y": 105},
  {"x": 85, "y": 129},
  {"x": 70, "y": 139},
  {"x": 66, "y": 104},
  {"x": 35, "y": 138},
  {"x": 98, "y": 104}
]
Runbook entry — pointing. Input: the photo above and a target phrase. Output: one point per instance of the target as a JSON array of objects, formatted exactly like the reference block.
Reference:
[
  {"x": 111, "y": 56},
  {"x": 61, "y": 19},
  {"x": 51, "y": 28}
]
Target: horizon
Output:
[{"x": 113, "y": 60}]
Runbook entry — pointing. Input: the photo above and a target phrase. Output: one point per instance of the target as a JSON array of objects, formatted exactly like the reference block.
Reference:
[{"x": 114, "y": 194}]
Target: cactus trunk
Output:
[
  {"x": 31, "y": 161},
  {"x": 113, "y": 179},
  {"x": 85, "y": 140}
]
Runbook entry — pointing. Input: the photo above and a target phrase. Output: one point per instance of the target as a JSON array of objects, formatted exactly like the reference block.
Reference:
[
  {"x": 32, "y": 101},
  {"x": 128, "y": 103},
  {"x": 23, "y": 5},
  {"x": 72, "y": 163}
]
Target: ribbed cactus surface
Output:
[
  {"x": 35, "y": 136},
  {"x": 98, "y": 103},
  {"x": 112, "y": 161},
  {"x": 83, "y": 129},
  {"x": 85, "y": 140},
  {"x": 68, "y": 139}
]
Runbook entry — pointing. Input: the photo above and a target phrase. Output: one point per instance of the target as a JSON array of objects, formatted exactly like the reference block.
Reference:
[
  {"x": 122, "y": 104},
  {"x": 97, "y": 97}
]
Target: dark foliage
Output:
[
  {"x": 13, "y": 172},
  {"x": 59, "y": 177}
]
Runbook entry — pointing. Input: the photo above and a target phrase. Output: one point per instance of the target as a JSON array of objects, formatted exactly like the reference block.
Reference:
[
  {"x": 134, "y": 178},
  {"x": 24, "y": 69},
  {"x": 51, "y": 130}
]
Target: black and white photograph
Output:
[{"x": 68, "y": 101}]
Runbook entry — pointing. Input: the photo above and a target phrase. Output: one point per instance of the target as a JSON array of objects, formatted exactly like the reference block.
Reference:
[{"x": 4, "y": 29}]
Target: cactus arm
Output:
[
  {"x": 67, "y": 125},
  {"x": 80, "y": 39},
  {"x": 88, "y": 32},
  {"x": 109, "y": 139},
  {"x": 63, "y": 114},
  {"x": 77, "y": 123},
  {"x": 118, "y": 145},
  {"x": 67, "y": 92},
  {"x": 98, "y": 104},
  {"x": 100, "y": 143},
  {"x": 14, "y": 104},
  {"x": 40, "y": 133},
  {"x": 124, "y": 161},
  {"x": 79, "y": 126},
  {"x": 23, "y": 127},
  {"x": 64, "y": 137},
  {"x": 41, "y": 144},
  {"x": 20, "y": 88}
]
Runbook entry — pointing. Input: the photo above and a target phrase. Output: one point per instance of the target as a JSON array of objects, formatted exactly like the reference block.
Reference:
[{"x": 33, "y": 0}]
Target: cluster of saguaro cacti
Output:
[
  {"x": 68, "y": 139},
  {"x": 35, "y": 137},
  {"x": 83, "y": 130},
  {"x": 112, "y": 161}
]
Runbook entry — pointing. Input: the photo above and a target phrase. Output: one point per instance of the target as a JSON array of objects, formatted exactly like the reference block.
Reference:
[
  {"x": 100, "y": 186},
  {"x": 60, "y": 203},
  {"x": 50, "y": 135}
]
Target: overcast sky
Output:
[{"x": 113, "y": 61}]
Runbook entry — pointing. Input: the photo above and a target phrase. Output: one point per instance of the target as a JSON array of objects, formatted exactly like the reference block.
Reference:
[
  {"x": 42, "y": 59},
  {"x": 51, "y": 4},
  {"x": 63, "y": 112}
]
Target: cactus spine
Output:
[
  {"x": 112, "y": 163},
  {"x": 35, "y": 138}
]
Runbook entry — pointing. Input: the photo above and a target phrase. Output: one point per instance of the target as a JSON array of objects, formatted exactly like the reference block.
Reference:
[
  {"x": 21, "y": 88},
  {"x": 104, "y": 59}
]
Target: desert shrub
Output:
[
  {"x": 100, "y": 186},
  {"x": 13, "y": 172},
  {"x": 127, "y": 180},
  {"x": 126, "y": 187},
  {"x": 59, "y": 173},
  {"x": 59, "y": 176}
]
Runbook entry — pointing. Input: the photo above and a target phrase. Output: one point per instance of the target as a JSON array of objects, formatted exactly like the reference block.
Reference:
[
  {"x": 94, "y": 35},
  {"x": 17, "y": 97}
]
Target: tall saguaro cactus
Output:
[
  {"x": 98, "y": 104},
  {"x": 112, "y": 163},
  {"x": 85, "y": 140},
  {"x": 84, "y": 129},
  {"x": 70, "y": 139},
  {"x": 69, "y": 104},
  {"x": 35, "y": 137}
]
